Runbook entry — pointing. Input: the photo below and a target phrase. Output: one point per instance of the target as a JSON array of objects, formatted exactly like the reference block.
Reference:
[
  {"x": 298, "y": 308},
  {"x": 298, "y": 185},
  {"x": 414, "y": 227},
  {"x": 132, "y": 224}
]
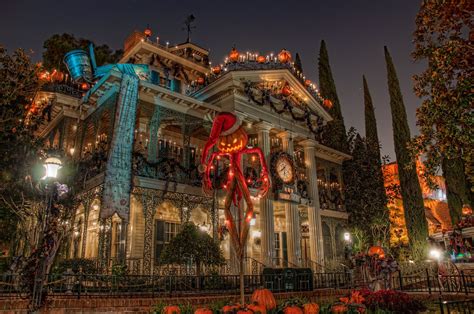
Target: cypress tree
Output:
[
  {"x": 409, "y": 185},
  {"x": 457, "y": 187},
  {"x": 334, "y": 134},
  {"x": 298, "y": 64},
  {"x": 373, "y": 154}
]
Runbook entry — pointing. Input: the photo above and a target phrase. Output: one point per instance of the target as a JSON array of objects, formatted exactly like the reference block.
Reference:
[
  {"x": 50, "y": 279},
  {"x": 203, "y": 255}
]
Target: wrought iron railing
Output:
[{"x": 62, "y": 89}]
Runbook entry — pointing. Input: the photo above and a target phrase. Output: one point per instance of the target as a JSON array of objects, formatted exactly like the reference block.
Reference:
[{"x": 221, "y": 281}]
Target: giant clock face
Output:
[{"x": 284, "y": 169}]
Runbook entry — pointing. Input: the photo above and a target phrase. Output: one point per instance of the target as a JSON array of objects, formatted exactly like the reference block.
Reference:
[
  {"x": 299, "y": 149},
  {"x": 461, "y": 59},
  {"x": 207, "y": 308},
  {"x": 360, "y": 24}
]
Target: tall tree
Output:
[
  {"x": 371, "y": 133},
  {"x": 334, "y": 134},
  {"x": 298, "y": 64},
  {"x": 58, "y": 45},
  {"x": 443, "y": 37},
  {"x": 409, "y": 185}
]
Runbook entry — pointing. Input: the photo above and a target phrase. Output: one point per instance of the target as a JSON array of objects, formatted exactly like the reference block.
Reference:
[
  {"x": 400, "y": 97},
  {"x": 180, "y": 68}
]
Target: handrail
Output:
[{"x": 283, "y": 262}]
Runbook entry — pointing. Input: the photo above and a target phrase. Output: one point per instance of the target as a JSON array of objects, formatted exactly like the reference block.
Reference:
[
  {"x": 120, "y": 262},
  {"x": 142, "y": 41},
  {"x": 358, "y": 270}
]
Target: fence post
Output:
[
  {"x": 400, "y": 279},
  {"x": 464, "y": 282},
  {"x": 428, "y": 279}
]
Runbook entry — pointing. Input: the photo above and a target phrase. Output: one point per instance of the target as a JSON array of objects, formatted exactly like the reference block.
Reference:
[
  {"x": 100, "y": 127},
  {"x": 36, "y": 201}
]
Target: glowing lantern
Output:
[
  {"x": 261, "y": 59},
  {"x": 284, "y": 56},
  {"x": 84, "y": 86},
  {"x": 307, "y": 82},
  {"x": 200, "y": 80},
  {"x": 286, "y": 90},
  {"x": 376, "y": 250},
  {"x": 147, "y": 31},
  {"x": 327, "y": 103},
  {"x": 234, "y": 55},
  {"x": 216, "y": 70},
  {"x": 52, "y": 165},
  {"x": 466, "y": 210},
  {"x": 233, "y": 142}
]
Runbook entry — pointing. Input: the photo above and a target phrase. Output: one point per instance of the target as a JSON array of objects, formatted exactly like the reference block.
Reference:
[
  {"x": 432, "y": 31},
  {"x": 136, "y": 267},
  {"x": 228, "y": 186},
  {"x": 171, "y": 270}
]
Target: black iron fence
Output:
[
  {"x": 81, "y": 285},
  {"x": 464, "y": 306}
]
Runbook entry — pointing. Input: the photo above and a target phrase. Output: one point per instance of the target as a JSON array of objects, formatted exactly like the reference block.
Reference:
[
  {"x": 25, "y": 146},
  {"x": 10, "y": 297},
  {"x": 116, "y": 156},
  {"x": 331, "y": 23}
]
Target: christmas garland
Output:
[{"x": 287, "y": 107}]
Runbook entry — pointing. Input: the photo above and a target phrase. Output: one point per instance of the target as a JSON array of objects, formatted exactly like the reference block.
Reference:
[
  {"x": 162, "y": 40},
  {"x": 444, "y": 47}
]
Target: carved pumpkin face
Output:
[
  {"x": 261, "y": 59},
  {"x": 234, "y": 55},
  {"x": 216, "y": 70},
  {"x": 233, "y": 142},
  {"x": 284, "y": 56}
]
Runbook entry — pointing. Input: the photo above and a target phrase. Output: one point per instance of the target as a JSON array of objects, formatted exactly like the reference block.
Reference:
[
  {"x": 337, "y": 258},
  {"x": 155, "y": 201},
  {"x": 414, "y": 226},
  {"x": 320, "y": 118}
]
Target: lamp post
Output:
[
  {"x": 347, "y": 246},
  {"x": 42, "y": 257}
]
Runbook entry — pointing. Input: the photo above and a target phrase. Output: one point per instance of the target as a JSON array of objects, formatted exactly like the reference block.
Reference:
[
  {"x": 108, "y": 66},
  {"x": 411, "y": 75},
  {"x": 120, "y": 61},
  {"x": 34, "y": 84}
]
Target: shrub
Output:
[{"x": 87, "y": 266}]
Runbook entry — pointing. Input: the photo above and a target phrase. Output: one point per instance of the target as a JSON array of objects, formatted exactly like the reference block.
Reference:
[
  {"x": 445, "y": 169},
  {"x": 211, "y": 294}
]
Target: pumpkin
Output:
[
  {"x": 292, "y": 309},
  {"x": 466, "y": 210},
  {"x": 44, "y": 76},
  {"x": 234, "y": 55},
  {"x": 244, "y": 311},
  {"x": 171, "y": 309},
  {"x": 57, "y": 76},
  {"x": 286, "y": 90},
  {"x": 284, "y": 56},
  {"x": 327, "y": 103},
  {"x": 310, "y": 308},
  {"x": 200, "y": 80},
  {"x": 203, "y": 310},
  {"x": 339, "y": 308},
  {"x": 232, "y": 143},
  {"x": 261, "y": 59},
  {"x": 84, "y": 86},
  {"x": 376, "y": 250},
  {"x": 216, "y": 70},
  {"x": 264, "y": 297},
  {"x": 230, "y": 308},
  {"x": 257, "y": 308},
  {"x": 147, "y": 32},
  {"x": 307, "y": 82}
]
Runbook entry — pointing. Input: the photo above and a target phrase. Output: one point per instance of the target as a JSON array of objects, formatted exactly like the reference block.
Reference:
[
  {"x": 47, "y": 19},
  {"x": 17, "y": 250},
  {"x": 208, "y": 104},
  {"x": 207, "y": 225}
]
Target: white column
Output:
[
  {"x": 293, "y": 227},
  {"x": 267, "y": 223},
  {"x": 314, "y": 210}
]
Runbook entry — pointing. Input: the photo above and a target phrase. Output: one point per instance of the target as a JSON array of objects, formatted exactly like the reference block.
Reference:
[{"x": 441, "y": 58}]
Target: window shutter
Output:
[
  {"x": 155, "y": 78},
  {"x": 159, "y": 238},
  {"x": 284, "y": 247},
  {"x": 176, "y": 85}
]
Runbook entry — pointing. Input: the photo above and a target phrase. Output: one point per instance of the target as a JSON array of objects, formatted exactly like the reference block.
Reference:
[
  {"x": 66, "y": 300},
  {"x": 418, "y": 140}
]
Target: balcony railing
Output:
[{"x": 66, "y": 89}]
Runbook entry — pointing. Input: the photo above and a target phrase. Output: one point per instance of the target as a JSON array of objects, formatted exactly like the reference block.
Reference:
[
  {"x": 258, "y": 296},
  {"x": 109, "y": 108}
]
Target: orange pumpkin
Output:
[
  {"x": 466, "y": 210},
  {"x": 264, "y": 297},
  {"x": 200, "y": 80},
  {"x": 339, "y": 308},
  {"x": 230, "y": 308},
  {"x": 261, "y": 59},
  {"x": 234, "y": 55},
  {"x": 292, "y": 310},
  {"x": 311, "y": 308},
  {"x": 203, "y": 310},
  {"x": 57, "y": 76},
  {"x": 286, "y": 90},
  {"x": 307, "y": 82},
  {"x": 216, "y": 70},
  {"x": 84, "y": 86},
  {"x": 147, "y": 32},
  {"x": 231, "y": 143},
  {"x": 376, "y": 250},
  {"x": 257, "y": 308},
  {"x": 327, "y": 103},
  {"x": 171, "y": 309},
  {"x": 284, "y": 56},
  {"x": 244, "y": 311}
]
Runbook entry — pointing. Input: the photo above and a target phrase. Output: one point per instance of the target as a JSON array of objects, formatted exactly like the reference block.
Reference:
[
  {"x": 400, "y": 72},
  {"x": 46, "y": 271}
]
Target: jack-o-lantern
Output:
[
  {"x": 234, "y": 55},
  {"x": 466, "y": 210},
  {"x": 57, "y": 76},
  {"x": 200, "y": 80},
  {"x": 327, "y": 103},
  {"x": 284, "y": 56},
  {"x": 261, "y": 59},
  {"x": 147, "y": 32},
  {"x": 286, "y": 90},
  {"x": 84, "y": 86},
  {"x": 233, "y": 142},
  {"x": 376, "y": 250},
  {"x": 307, "y": 82},
  {"x": 216, "y": 70}
]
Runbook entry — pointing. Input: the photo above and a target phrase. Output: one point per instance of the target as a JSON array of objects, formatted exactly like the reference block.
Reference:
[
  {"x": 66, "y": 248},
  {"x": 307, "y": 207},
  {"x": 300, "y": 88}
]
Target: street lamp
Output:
[
  {"x": 52, "y": 166},
  {"x": 347, "y": 237}
]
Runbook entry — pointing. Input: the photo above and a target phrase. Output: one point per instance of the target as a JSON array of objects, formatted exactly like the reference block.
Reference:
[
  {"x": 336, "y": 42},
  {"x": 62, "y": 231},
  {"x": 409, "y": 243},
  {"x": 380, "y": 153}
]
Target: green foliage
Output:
[
  {"x": 58, "y": 45},
  {"x": 87, "y": 266},
  {"x": 18, "y": 84},
  {"x": 192, "y": 245},
  {"x": 334, "y": 134},
  {"x": 364, "y": 196},
  {"x": 457, "y": 187},
  {"x": 298, "y": 65},
  {"x": 409, "y": 186},
  {"x": 445, "y": 117}
]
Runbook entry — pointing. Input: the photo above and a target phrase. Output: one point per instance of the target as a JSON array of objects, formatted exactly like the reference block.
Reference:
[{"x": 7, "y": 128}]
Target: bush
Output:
[
  {"x": 87, "y": 266},
  {"x": 391, "y": 300}
]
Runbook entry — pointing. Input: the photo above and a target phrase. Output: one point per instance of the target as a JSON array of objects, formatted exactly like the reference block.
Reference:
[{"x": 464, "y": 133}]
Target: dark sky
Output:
[{"x": 355, "y": 33}]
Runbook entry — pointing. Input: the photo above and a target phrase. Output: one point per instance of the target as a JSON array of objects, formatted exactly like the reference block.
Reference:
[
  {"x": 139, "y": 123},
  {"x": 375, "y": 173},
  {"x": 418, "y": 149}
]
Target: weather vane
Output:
[{"x": 189, "y": 25}]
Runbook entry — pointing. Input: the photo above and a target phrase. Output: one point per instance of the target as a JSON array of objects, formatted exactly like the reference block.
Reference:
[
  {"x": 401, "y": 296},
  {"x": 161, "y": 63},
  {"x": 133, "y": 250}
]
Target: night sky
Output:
[{"x": 355, "y": 33}]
